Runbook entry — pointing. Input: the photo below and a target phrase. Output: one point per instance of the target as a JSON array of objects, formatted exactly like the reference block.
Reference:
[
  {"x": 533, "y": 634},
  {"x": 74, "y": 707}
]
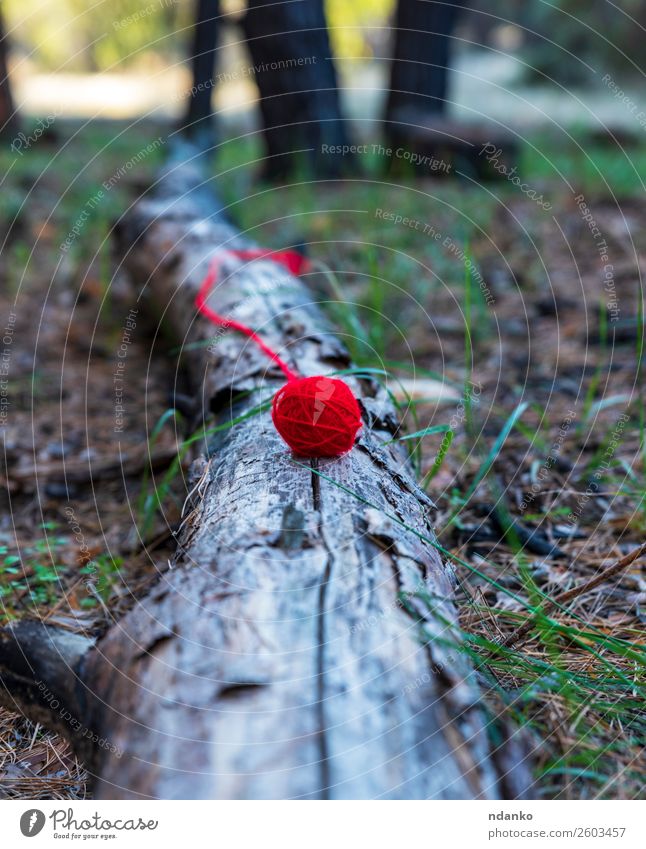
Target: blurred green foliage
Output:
[
  {"x": 74, "y": 35},
  {"x": 573, "y": 41},
  {"x": 357, "y": 28},
  {"x": 565, "y": 40}
]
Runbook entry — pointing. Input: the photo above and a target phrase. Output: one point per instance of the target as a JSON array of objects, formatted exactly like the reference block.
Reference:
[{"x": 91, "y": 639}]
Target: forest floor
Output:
[{"x": 511, "y": 333}]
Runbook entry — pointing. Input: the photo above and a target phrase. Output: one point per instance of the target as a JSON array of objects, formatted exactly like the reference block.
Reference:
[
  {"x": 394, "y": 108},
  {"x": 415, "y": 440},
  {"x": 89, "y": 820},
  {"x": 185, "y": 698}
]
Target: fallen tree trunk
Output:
[{"x": 278, "y": 658}]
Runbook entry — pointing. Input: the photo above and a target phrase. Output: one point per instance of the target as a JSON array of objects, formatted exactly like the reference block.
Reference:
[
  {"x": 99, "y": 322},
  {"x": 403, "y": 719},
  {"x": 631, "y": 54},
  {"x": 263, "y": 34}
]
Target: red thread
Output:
[
  {"x": 289, "y": 259},
  {"x": 316, "y": 416}
]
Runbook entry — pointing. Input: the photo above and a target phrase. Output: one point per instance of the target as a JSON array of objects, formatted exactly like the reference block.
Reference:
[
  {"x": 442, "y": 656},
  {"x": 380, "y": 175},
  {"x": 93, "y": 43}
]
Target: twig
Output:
[{"x": 567, "y": 596}]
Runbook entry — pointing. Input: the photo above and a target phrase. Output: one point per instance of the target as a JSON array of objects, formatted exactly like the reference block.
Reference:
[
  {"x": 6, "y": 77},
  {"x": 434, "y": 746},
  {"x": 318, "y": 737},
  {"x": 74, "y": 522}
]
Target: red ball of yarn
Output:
[{"x": 316, "y": 416}]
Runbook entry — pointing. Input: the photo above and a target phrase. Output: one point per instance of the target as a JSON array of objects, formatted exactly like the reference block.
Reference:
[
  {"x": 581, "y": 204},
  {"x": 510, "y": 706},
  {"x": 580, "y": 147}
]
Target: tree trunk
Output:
[
  {"x": 198, "y": 124},
  {"x": 416, "y": 120},
  {"x": 282, "y": 655},
  {"x": 8, "y": 117},
  {"x": 418, "y": 76},
  {"x": 299, "y": 100}
]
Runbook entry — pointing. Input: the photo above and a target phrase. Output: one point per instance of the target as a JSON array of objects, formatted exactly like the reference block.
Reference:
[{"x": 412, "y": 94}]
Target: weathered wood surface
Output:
[{"x": 274, "y": 659}]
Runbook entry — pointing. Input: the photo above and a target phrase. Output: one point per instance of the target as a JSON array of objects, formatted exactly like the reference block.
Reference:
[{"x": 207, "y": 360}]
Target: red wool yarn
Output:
[{"x": 316, "y": 416}]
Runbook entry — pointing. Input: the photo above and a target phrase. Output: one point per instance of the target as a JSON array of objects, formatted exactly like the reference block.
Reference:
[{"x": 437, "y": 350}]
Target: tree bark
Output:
[
  {"x": 299, "y": 100},
  {"x": 282, "y": 655}
]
